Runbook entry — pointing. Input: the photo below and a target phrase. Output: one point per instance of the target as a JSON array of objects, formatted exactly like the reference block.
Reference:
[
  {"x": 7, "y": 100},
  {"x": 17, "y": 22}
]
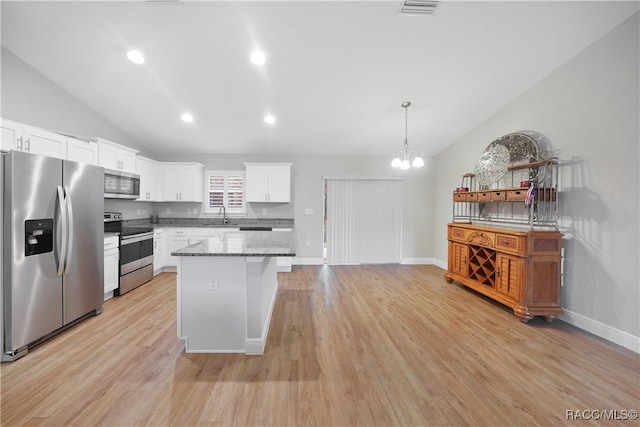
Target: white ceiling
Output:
[{"x": 335, "y": 76}]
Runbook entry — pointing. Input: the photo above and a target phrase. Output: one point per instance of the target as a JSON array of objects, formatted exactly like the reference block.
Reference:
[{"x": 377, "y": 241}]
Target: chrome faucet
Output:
[{"x": 225, "y": 220}]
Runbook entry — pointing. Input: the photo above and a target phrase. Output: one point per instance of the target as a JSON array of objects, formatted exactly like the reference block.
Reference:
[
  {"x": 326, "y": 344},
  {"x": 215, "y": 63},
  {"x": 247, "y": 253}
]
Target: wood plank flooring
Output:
[{"x": 385, "y": 345}]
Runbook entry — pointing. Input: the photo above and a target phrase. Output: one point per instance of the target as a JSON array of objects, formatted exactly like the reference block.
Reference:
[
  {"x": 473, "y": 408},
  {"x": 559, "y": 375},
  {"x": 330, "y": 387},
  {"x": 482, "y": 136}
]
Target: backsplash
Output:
[{"x": 142, "y": 210}]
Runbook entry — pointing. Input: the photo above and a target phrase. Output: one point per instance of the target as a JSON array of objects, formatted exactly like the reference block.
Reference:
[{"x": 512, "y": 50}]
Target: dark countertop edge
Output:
[
  {"x": 203, "y": 223},
  {"x": 222, "y": 254}
]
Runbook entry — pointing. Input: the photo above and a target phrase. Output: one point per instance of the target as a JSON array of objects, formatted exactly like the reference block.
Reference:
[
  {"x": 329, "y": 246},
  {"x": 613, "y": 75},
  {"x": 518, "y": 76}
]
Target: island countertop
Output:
[{"x": 244, "y": 243}]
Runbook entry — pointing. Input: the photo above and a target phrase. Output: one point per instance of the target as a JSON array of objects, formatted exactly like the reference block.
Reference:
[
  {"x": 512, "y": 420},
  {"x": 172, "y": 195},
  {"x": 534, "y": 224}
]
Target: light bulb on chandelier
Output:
[{"x": 402, "y": 159}]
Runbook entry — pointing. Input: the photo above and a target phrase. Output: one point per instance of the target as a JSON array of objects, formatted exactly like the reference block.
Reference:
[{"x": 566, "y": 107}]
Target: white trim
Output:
[
  {"x": 601, "y": 330},
  {"x": 442, "y": 264},
  {"x": 307, "y": 261},
  {"x": 416, "y": 261},
  {"x": 255, "y": 346}
]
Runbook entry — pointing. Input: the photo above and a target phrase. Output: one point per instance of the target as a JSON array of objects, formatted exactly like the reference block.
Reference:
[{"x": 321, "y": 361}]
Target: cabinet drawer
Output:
[
  {"x": 516, "y": 195},
  {"x": 110, "y": 243},
  {"x": 472, "y": 197},
  {"x": 180, "y": 231},
  {"x": 460, "y": 197},
  {"x": 498, "y": 196},
  {"x": 509, "y": 243},
  {"x": 481, "y": 238},
  {"x": 546, "y": 194},
  {"x": 484, "y": 196},
  {"x": 457, "y": 233}
]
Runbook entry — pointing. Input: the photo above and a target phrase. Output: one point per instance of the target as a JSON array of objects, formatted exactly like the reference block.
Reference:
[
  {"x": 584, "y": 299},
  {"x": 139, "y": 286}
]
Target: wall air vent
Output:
[{"x": 418, "y": 7}]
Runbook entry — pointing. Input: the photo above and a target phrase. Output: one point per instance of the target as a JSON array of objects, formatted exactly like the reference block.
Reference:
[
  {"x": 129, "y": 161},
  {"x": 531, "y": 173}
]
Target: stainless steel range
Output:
[{"x": 136, "y": 252}]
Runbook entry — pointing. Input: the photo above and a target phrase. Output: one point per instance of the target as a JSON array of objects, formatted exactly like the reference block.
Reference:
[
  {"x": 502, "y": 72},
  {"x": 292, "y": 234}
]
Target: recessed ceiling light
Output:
[
  {"x": 258, "y": 58},
  {"x": 269, "y": 119},
  {"x": 186, "y": 117},
  {"x": 135, "y": 57}
]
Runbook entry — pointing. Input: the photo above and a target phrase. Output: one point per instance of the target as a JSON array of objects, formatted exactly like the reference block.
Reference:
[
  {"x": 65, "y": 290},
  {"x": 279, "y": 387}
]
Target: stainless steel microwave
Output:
[{"x": 121, "y": 185}]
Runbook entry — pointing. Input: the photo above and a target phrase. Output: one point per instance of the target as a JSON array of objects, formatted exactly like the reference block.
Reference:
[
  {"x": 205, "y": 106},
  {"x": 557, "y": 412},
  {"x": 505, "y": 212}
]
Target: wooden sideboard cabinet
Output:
[{"x": 518, "y": 268}]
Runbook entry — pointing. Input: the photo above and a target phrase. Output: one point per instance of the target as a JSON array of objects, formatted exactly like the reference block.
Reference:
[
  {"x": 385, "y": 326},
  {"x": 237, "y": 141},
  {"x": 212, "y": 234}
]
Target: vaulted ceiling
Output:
[{"x": 335, "y": 76}]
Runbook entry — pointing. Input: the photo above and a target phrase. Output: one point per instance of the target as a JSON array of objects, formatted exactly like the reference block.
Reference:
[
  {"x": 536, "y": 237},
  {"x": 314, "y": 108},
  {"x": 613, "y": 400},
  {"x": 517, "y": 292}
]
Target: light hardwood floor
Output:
[{"x": 383, "y": 345}]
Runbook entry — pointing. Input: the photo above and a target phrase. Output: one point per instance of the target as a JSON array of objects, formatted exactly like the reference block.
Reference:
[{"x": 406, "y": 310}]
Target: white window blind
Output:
[
  {"x": 364, "y": 220},
  {"x": 225, "y": 188}
]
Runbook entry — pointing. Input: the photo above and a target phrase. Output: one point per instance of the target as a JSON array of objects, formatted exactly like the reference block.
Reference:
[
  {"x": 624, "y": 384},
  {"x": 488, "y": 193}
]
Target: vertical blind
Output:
[{"x": 364, "y": 220}]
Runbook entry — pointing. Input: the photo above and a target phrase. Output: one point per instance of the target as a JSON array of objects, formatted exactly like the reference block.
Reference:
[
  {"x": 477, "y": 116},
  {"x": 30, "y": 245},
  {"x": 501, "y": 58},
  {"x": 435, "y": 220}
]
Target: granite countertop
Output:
[
  {"x": 212, "y": 222},
  {"x": 244, "y": 243}
]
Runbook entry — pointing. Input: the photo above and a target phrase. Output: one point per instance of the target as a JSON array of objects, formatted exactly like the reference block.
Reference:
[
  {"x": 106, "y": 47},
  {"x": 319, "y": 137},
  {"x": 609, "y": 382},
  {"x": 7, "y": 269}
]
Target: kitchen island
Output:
[{"x": 226, "y": 290}]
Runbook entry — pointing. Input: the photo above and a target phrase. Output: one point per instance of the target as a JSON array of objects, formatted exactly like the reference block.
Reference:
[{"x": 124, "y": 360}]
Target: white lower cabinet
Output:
[
  {"x": 177, "y": 238},
  {"x": 159, "y": 250},
  {"x": 111, "y": 265}
]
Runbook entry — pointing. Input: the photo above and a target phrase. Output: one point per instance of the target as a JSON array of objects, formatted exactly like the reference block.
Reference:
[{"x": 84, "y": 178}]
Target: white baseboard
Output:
[
  {"x": 307, "y": 261},
  {"x": 416, "y": 261},
  {"x": 599, "y": 329},
  {"x": 440, "y": 263},
  {"x": 606, "y": 332}
]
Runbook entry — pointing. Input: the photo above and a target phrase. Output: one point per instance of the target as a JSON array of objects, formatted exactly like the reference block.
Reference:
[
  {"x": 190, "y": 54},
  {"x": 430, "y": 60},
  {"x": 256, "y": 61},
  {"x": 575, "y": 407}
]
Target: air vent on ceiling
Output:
[{"x": 418, "y": 7}]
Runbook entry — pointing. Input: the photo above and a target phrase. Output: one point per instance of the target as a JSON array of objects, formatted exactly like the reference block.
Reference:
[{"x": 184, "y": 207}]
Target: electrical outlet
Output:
[
  {"x": 168, "y": 210},
  {"x": 308, "y": 242},
  {"x": 264, "y": 211},
  {"x": 213, "y": 284},
  {"x": 308, "y": 211}
]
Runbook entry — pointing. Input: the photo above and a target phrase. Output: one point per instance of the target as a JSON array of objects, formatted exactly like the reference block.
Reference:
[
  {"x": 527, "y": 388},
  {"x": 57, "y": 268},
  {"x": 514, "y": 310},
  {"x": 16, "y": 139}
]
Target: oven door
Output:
[{"x": 136, "y": 251}]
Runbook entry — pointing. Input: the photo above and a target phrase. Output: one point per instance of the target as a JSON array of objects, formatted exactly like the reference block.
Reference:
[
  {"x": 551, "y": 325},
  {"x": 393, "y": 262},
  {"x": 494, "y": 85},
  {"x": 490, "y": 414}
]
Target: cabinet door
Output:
[
  {"x": 110, "y": 270},
  {"x": 509, "y": 275},
  {"x": 11, "y": 138},
  {"x": 171, "y": 183},
  {"x": 148, "y": 179},
  {"x": 458, "y": 257},
  {"x": 108, "y": 157},
  {"x": 40, "y": 141},
  {"x": 175, "y": 243},
  {"x": 127, "y": 161},
  {"x": 82, "y": 151},
  {"x": 183, "y": 183},
  {"x": 192, "y": 183},
  {"x": 256, "y": 183},
  {"x": 159, "y": 250},
  {"x": 279, "y": 184}
]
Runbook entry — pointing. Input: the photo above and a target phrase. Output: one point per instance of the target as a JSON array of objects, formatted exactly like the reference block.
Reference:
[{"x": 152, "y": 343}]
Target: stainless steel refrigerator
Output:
[{"x": 52, "y": 247}]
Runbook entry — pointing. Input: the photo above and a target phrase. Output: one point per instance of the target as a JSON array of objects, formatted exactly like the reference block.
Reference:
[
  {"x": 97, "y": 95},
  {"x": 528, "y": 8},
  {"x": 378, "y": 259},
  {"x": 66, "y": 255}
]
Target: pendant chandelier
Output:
[{"x": 403, "y": 157}]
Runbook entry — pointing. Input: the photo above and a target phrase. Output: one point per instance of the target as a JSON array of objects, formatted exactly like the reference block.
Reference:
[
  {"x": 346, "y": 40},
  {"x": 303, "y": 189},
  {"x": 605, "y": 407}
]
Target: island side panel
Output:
[
  {"x": 262, "y": 289},
  {"x": 213, "y": 308}
]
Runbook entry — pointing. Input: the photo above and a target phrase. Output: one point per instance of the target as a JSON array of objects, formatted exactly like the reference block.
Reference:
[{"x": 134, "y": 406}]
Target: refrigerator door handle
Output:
[
  {"x": 63, "y": 231},
  {"x": 70, "y": 233}
]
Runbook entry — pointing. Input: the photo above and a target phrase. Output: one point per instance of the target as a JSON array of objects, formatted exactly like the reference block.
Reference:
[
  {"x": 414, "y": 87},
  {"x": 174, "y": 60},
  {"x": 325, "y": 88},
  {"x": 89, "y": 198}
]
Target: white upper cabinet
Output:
[
  {"x": 115, "y": 156},
  {"x": 82, "y": 151},
  {"x": 268, "y": 182},
  {"x": 183, "y": 182},
  {"x": 21, "y": 137},
  {"x": 151, "y": 179}
]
